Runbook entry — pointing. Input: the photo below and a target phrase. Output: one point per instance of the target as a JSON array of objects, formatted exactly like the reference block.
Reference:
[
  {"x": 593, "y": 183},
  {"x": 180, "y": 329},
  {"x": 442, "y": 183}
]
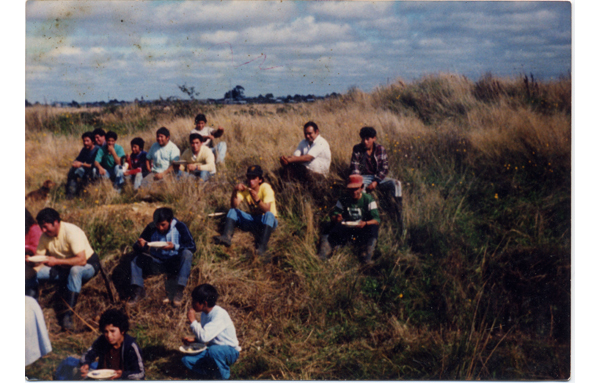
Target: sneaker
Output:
[
  {"x": 178, "y": 297},
  {"x": 138, "y": 294}
]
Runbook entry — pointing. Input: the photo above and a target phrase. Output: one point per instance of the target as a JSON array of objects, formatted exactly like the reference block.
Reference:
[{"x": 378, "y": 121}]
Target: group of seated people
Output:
[
  {"x": 69, "y": 261},
  {"x": 102, "y": 157}
]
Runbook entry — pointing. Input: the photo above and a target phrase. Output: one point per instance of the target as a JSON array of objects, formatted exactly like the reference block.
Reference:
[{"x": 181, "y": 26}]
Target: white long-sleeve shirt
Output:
[{"x": 216, "y": 328}]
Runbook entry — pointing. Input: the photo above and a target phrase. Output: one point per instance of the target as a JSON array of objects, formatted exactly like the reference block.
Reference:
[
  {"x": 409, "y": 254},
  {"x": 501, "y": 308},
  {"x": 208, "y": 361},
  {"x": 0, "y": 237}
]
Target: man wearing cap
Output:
[
  {"x": 370, "y": 160},
  {"x": 70, "y": 259},
  {"x": 311, "y": 156},
  {"x": 355, "y": 216},
  {"x": 209, "y": 135},
  {"x": 262, "y": 220}
]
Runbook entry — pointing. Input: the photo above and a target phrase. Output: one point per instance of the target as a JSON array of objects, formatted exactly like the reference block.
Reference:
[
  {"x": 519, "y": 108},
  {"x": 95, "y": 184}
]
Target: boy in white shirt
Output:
[{"x": 216, "y": 330}]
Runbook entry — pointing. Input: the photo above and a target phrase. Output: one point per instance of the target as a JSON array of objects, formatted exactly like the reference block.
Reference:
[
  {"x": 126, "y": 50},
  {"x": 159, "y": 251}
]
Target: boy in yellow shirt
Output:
[{"x": 261, "y": 221}]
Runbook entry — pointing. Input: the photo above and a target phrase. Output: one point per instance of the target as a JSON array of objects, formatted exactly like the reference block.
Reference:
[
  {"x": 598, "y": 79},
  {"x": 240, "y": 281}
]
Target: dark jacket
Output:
[
  {"x": 178, "y": 233},
  {"x": 131, "y": 356}
]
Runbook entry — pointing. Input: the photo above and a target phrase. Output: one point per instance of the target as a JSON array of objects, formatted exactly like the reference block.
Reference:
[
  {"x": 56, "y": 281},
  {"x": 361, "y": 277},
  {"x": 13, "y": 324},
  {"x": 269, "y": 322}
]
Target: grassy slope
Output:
[{"x": 477, "y": 287}]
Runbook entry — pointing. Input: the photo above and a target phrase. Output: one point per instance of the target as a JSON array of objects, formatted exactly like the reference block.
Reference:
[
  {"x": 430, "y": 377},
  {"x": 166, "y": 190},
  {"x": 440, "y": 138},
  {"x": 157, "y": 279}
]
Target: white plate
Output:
[
  {"x": 194, "y": 348},
  {"x": 216, "y": 214},
  {"x": 157, "y": 244},
  {"x": 38, "y": 258},
  {"x": 350, "y": 223},
  {"x": 101, "y": 374}
]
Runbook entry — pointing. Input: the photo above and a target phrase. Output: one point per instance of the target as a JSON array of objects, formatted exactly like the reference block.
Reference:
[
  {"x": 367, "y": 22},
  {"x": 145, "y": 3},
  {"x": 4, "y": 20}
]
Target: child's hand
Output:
[
  {"x": 142, "y": 242},
  {"x": 170, "y": 246},
  {"x": 84, "y": 370},
  {"x": 191, "y": 315},
  {"x": 187, "y": 340}
]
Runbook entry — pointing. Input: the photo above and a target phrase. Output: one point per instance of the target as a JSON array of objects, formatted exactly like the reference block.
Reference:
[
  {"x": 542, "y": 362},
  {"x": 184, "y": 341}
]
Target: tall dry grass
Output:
[{"x": 475, "y": 288}]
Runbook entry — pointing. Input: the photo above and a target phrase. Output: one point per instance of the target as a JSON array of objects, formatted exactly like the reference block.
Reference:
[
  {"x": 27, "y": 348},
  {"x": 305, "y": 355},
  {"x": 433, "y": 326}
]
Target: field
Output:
[{"x": 477, "y": 286}]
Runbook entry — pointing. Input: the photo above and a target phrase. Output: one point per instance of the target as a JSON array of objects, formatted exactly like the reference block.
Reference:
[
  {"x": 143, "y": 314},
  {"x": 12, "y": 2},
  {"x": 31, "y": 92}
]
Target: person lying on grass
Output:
[
  {"x": 216, "y": 330},
  {"x": 262, "y": 219},
  {"x": 200, "y": 160},
  {"x": 355, "y": 216},
  {"x": 136, "y": 163},
  {"x": 108, "y": 161},
  {"x": 114, "y": 349},
  {"x": 370, "y": 160},
  {"x": 82, "y": 169},
  {"x": 160, "y": 157},
  {"x": 210, "y": 134},
  {"x": 174, "y": 257}
]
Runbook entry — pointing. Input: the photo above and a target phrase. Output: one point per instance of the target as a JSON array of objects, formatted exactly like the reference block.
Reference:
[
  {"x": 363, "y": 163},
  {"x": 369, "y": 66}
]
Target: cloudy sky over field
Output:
[{"x": 88, "y": 51}]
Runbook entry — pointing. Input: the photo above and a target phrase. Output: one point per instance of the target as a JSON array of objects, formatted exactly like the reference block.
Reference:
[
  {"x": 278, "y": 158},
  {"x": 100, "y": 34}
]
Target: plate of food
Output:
[
  {"x": 38, "y": 258},
  {"x": 157, "y": 244},
  {"x": 193, "y": 348},
  {"x": 351, "y": 223},
  {"x": 218, "y": 214},
  {"x": 101, "y": 374}
]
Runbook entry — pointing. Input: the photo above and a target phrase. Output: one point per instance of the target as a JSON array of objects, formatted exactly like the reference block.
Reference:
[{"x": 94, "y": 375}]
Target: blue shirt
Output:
[{"x": 162, "y": 156}]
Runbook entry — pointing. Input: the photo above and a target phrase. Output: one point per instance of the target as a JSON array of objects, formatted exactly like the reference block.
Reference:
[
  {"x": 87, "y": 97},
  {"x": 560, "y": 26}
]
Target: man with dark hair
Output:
[
  {"x": 99, "y": 136},
  {"x": 311, "y": 156},
  {"x": 160, "y": 157},
  {"x": 165, "y": 246},
  {"x": 115, "y": 350},
  {"x": 200, "y": 159},
  {"x": 136, "y": 163},
  {"x": 370, "y": 160},
  {"x": 210, "y": 134},
  {"x": 70, "y": 260},
  {"x": 108, "y": 161},
  {"x": 355, "y": 216},
  {"x": 216, "y": 330},
  {"x": 262, "y": 220},
  {"x": 82, "y": 169}
]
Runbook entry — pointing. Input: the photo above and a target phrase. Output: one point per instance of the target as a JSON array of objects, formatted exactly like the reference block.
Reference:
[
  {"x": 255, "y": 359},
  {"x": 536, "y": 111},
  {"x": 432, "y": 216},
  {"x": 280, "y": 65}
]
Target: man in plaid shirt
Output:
[{"x": 370, "y": 160}]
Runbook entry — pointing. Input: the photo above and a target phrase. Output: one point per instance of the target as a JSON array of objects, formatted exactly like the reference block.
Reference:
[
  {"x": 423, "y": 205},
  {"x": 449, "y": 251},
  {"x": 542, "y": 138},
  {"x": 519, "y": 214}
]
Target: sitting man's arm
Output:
[
  {"x": 101, "y": 170},
  {"x": 262, "y": 205},
  {"x": 209, "y": 331},
  {"x": 218, "y": 132},
  {"x": 304, "y": 158},
  {"x": 186, "y": 241},
  {"x": 78, "y": 260},
  {"x": 236, "y": 200}
]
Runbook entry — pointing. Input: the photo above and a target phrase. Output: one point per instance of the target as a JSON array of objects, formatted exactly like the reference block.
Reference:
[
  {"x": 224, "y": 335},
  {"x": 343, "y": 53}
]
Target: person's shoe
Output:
[
  {"x": 178, "y": 297},
  {"x": 225, "y": 238},
  {"x": 263, "y": 240},
  {"x": 67, "y": 320},
  {"x": 366, "y": 255},
  {"x": 139, "y": 293},
  {"x": 325, "y": 248}
]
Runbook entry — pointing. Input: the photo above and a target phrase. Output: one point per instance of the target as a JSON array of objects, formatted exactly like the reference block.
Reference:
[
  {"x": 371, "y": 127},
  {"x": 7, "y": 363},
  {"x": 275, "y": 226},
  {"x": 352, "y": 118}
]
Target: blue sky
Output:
[{"x": 87, "y": 51}]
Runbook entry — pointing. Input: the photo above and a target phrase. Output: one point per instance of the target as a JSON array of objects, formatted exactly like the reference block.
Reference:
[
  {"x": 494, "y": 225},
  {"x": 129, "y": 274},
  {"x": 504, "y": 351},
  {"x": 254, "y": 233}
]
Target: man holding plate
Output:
[
  {"x": 165, "y": 246},
  {"x": 66, "y": 258},
  {"x": 355, "y": 216}
]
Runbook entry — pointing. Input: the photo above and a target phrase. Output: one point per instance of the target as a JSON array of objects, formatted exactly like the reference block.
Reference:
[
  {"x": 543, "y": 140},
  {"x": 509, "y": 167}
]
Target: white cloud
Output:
[{"x": 351, "y": 10}]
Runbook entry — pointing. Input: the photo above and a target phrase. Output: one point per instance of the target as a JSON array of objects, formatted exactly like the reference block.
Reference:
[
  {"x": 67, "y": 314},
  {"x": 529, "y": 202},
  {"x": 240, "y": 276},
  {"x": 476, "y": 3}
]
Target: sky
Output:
[{"x": 101, "y": 50}]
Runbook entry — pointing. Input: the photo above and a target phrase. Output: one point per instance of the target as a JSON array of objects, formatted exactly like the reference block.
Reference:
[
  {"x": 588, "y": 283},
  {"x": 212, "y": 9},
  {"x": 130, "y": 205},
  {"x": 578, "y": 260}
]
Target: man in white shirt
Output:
[{"x": 312, "y": 156}]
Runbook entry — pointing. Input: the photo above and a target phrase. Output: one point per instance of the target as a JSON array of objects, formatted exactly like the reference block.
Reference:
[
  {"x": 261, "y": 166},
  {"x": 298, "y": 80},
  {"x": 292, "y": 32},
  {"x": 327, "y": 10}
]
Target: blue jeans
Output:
[
  {"x": 116, "y": 176},
  {"x": 214, "y": 362},
  {"x": 253, "y": 223},
  {"x": 73, "y": 276},
  {"x": 178, "y": 265},
  {"x": 219, "y": 151},
  {"x": 75, "y": 174},
  {"x": 389, "y": 185},
  {"x": 136, "y": 179},
  {"x": 203, "y": 175}
]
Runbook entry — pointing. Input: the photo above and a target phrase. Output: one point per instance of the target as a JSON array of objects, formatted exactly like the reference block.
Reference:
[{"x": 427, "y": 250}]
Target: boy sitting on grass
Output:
[
  {"x": 115, "y": 350},
  {"x": 200, "y": 159},
  {"x": 216, "y": 330},
  {"x": 136, "y": 163}
]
